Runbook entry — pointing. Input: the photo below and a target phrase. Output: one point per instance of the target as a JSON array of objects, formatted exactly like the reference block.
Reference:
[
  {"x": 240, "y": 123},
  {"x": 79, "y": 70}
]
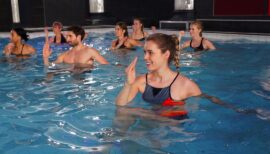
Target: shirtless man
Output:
[{"x": 79, "y": 55}]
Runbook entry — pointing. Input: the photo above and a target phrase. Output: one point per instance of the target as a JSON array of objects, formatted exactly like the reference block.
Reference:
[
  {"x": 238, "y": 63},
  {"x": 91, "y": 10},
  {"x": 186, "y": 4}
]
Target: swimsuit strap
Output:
[
  {"x": 171, "y": 85},
  {"x": 171, "y": 82},
  {"x": 174, "y": 79},
  {"x": 198, "y": 46}
]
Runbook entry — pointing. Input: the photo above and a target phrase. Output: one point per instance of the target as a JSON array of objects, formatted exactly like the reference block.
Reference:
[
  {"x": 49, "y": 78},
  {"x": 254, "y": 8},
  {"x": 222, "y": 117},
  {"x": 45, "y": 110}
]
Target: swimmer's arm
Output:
[
  {"x": 113, "y": 46},
  {"x": 99, "y": 58},
  {"x": 216, "y": 100},
  {"x": 135, "y": 42},
  {"x": 209, "y": 45},
  {"x": 60, "y": 58},
  {"x": 184, "y": 45},
  {"x": 127, "y": 94},
  {"x": 131, "y": 86},
  {"x": 31, "y": 50},
  {"x": 8, "y": 49},
  {"x": 46, "y": 53}
]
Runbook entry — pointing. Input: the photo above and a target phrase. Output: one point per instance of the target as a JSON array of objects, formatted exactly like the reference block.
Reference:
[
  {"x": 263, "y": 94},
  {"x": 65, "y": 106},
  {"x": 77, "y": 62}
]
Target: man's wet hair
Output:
[{"x": 77, "y": 30}]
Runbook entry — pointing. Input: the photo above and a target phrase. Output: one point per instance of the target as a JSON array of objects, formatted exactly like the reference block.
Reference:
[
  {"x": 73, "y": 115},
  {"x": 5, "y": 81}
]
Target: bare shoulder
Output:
[
  {"x": 140, "y": 78},
  {"x": 184, "y": 81},
  {"x": 208, "y": 44},
  {"x": 90, "y": 50},
  {"x": 186, "y": 87},
  {"x": 30, "y": 48}
]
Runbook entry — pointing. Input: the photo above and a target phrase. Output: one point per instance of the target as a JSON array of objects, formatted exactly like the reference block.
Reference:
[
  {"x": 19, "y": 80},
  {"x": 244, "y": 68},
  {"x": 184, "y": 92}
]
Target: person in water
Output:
[
  {"x": 123, "y": 40},
  {"x": 18, "y": 47},
  {"x": 80, "y": 55},
  {"x": 161, "y": 85},
  {"x": 138, "y": 30},
  {"x": 197, "y": 42},
  {"x": 57, "y": 30}
]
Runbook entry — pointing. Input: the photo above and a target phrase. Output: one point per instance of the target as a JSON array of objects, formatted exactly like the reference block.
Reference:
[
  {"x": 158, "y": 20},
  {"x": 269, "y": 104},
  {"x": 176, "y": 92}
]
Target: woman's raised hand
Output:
[
  {"x": 131, "y": 71},
  {"x": 181, "y": 33},
  {"x": 46, "y": 50}
]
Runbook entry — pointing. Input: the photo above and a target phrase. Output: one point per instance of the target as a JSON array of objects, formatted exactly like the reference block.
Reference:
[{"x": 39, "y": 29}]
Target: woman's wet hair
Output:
[
  {"x": 141, "y": 22},
  {"x": 58, "y": 24},
  {"x": 123, "y": 26},
  {"x": 199, "y": 25},
  {"x": 22, "y": 33},
  {"x": 77, "y": 30},
  {"x": 167, "y": 43}
]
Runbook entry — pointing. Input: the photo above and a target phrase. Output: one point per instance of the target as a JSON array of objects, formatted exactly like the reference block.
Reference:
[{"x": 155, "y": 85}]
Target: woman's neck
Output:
[
  {"x": 121, "y": 37},
  {"x": 138, "y": 31},
  {"x": 162, "y": 74},
  {"x": 197, "y": 37}
]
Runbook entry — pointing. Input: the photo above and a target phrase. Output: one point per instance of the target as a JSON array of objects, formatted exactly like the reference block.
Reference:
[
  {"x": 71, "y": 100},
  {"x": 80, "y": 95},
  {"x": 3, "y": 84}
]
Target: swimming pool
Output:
[{"x": 63, "y": 112}]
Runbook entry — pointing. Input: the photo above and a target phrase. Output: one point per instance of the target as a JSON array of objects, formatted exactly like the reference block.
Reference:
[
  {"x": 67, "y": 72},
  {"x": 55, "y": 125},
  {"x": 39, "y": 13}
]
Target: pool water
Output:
[{"x": 43, "y": 111}]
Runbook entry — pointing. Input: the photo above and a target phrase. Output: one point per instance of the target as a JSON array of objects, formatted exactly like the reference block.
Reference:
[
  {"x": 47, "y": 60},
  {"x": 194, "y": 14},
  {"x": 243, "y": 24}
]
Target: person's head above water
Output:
[
  {"x": 196, "y": 27},
  {"x": 121, "y": 29},
  {"x": 138, "y": 24},
  {"x": 57, "y": 26},
  {"x": 75, "y": 35},
  {"x": 166, "y": 44},
  {"x": 18, "y": 34}
]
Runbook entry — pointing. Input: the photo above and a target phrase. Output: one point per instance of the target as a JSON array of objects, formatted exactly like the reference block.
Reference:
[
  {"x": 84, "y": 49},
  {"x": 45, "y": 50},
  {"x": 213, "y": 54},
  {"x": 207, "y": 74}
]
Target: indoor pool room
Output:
[{"x": 143, "y": 77}]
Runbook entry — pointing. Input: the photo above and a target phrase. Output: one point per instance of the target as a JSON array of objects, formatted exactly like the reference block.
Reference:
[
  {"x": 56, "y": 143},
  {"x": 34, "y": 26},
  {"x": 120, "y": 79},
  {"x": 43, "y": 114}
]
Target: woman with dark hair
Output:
[
  {"x": 161, "y": 85},
  {"x": 18, "y": 47},
  {"x": 138, "y": 33},
  {"x": 123, "y": 40},
  {"x": 197, "y": 42}
]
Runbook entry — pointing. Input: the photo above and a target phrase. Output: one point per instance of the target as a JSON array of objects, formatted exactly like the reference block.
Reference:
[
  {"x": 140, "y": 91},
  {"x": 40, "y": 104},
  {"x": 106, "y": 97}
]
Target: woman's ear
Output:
[{"x": 167, "y": 54}]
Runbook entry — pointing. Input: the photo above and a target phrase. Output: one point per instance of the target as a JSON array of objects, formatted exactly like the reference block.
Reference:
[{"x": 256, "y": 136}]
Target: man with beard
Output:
[{"x": 79, "y": 54}]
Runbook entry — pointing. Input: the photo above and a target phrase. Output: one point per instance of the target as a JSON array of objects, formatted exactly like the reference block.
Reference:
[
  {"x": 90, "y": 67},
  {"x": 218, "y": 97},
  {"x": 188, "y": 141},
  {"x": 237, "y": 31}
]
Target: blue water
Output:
[{"x": 63, "y": 112}]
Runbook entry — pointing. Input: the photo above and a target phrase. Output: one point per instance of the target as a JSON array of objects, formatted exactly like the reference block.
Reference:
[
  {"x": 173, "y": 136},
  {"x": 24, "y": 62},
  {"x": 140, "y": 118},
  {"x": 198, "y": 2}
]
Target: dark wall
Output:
[
  {"x": 204, "y": 9},
  {"x": 150, "y": 10},
  {"x": 31, "y": 13},
  {"x": 5, "y": 15},
  {"x": 69, "y": 12},
  {"x": 233, "y": 22}
]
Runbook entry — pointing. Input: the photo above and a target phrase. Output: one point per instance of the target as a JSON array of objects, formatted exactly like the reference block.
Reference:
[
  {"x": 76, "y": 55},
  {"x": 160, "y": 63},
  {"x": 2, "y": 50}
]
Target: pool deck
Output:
[{"x": 228, "y": 36}]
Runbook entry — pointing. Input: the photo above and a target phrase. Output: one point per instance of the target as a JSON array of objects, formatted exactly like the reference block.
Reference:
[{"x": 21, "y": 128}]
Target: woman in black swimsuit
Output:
[
  {"x": 18, "y": 47},
  {"x": 161, "y": 85},
  {"x": 138, "y": 33},
  {"x": 123, "y": 40},
  {"x": 197, "y": 42},
  {"x": 57, "y": 29}
]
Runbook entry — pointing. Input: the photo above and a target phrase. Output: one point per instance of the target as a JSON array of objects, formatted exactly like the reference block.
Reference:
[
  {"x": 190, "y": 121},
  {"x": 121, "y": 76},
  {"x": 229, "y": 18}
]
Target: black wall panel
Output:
[{"x": 5, "y": 15}]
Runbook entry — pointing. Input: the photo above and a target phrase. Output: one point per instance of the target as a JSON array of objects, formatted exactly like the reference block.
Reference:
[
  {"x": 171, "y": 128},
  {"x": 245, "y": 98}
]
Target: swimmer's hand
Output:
[
  {"x": 8, "y": 49},
  {"x": 131, "y": 72},
  {"x": 46, "y": 53},
  {"x": 181, "y": 33},
  {"x": 46, "y": 50}
]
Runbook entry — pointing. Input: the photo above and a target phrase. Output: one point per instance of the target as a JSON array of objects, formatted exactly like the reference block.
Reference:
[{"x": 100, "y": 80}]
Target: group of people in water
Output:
[{"x": 160, "y": 86}]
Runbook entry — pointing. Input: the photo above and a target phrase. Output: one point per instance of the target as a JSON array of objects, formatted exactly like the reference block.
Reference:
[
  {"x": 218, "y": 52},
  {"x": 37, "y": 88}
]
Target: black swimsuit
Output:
[
  {"x": 141, "y": 39},
  {"x": 63, "y": 39},
  {"x": 157, "y": 95},
  {"x": 199, "y": 48},
  {"x": 122, "y": 46},
  {"x": 20, "y": 54}
]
